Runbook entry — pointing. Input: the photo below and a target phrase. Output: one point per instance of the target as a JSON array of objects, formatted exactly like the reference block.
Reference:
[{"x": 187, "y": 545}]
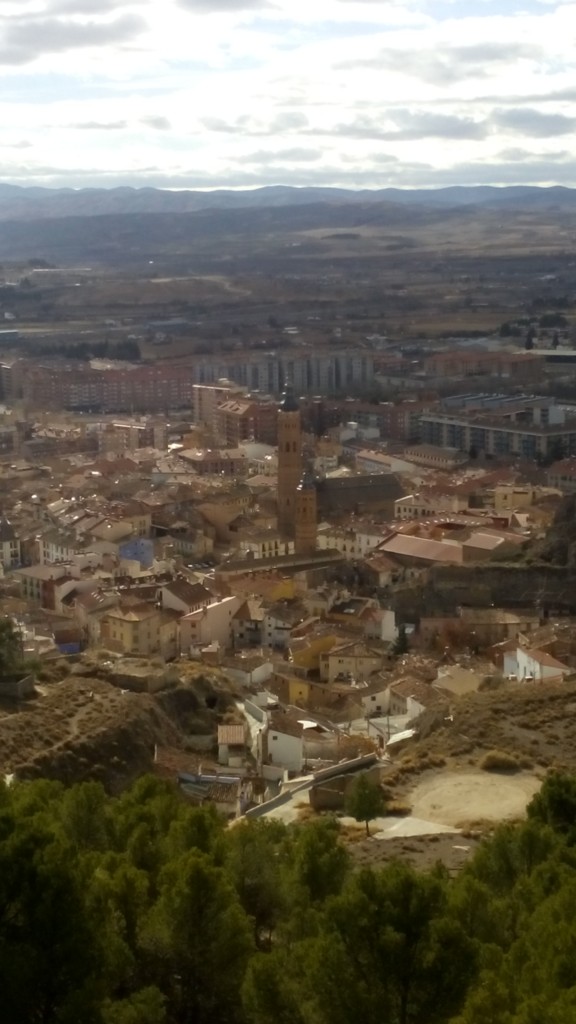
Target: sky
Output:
[{"x": 244, "y": 93}]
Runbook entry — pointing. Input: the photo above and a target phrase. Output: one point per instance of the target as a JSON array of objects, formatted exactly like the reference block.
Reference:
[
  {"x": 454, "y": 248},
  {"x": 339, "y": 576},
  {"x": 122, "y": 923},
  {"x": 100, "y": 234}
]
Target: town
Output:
[{"x": 327, "y": 576}]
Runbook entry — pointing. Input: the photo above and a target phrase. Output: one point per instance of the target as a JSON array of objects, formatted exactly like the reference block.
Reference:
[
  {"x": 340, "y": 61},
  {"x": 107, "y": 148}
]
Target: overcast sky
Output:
[{"x": 237, "y": 93}]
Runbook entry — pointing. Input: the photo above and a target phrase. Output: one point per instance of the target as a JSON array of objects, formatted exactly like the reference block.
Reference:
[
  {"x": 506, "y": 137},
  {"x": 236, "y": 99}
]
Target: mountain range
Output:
[{"x": 19, "y": 203}]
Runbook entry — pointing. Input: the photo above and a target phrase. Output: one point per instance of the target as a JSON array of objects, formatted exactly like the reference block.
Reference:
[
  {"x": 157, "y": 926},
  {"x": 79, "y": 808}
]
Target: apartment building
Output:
[
  {"x": 206, "y": 399},
  {"x": 140, "y": 388},
  {"x": 322, "y": 372},
  {"x": 527, "y": 428},
  {"x": 523, "y": 366}
]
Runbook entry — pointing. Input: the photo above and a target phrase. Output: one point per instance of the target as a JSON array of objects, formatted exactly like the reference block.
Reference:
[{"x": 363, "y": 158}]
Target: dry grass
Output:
[
  {"x": 398, "y": 808},
  {"x": 499, "y": 761}
]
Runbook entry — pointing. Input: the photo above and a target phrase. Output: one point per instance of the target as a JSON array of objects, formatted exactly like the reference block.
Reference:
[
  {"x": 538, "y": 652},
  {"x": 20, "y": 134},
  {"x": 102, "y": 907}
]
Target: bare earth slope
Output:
[{"x": 85, "y": 728}]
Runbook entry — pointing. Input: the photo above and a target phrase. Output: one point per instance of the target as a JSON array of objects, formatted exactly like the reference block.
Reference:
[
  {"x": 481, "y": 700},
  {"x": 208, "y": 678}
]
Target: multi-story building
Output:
[
  {"x": 323, "y": 372},
  {"x": 206, "y": 399},
  {"x": 216, "y": 462},
  {"x": 157, "y": 387},
  {"x": 517, "y": 366},
  {"x": 141, "y": 630},
  {"x": 10, "y": 555},
  {"x": 129, "y": 435},
  {"x": 527, "y": 428}
]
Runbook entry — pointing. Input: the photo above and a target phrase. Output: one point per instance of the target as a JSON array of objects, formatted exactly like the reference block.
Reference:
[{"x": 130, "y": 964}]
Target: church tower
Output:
[
  {"x": 289, "y": 460},
  {"x": 305, "y": 527}
]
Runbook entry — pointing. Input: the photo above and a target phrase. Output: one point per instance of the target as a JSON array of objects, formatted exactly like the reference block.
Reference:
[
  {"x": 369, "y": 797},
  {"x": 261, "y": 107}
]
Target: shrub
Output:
[{"x": 499, "y": 761}]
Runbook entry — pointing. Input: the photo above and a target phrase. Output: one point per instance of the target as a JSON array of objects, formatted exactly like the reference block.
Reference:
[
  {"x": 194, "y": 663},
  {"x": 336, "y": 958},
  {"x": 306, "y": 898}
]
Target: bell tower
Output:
[
  {"x": 289, "y": 460},
  {"x": 305, "y": 527}
]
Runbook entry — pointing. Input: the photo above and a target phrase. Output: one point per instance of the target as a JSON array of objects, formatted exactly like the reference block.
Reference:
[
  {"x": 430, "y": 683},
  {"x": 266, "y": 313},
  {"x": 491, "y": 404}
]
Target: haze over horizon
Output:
[{"x": 246, "y": 93}]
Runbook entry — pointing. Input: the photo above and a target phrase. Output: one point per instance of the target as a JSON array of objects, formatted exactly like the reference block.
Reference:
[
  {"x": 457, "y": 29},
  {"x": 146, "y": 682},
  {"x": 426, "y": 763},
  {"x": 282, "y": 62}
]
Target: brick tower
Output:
[
  {"x": 289, "y": 460},
  {"x": 305, "y": 526}
]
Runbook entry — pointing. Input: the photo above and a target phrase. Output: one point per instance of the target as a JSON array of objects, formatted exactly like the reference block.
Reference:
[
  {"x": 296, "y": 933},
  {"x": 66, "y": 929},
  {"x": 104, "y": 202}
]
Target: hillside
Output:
[{"x": 86, "y": 728}]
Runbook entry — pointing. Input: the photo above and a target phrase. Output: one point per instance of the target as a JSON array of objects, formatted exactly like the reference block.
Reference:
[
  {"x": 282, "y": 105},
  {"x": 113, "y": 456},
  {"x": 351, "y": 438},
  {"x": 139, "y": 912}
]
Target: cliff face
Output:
[{"x": 548, "y": 589}]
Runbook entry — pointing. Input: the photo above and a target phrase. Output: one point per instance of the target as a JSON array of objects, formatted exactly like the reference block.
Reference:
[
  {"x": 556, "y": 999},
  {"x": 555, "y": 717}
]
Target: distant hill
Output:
[
  {"x": 136, "y": 225},
  {"x": 33, "y": 203}
]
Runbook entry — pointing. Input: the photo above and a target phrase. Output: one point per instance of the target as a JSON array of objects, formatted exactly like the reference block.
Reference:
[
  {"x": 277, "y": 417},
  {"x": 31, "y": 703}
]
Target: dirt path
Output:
[{"x": 461, "y": 798}]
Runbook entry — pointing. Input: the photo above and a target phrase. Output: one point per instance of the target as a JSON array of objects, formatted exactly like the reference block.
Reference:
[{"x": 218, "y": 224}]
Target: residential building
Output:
[
  {"x": 210, "y": 624},
  {"x": 10, "y": 554},
  {"x": 248, "y": 623},
  {"x": 529, "y": 428},
  {"x": 147, "y": 388},
  {"x": 534, "y": 666},
  {"x": 141, "y": 630},
  {"x": 215, "y": 461},
  {"x": 184, "y": 597},
  {"x": 349, "y": 661}
]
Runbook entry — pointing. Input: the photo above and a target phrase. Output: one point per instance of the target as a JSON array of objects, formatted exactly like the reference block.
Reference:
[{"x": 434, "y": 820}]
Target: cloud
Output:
[
  {"x": 223, "y": 6},
  {"x": 406, "y": 126},
  {"x": 25, "y": 40},
  {"x": 286, "y": 122},
  {"x": 447, "y": 65},
  {"x": 161, "y": 124},
  {"x": 86, "y": 6},
  {"x": 99, "y": 126},
  {"x": 296, "y": 155},
  {"x": 527, "y": 121}
]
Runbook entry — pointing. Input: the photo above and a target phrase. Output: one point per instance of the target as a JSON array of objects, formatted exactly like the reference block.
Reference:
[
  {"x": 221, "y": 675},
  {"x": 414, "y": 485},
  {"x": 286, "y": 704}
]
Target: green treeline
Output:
[{"x": 141, "y": 909}]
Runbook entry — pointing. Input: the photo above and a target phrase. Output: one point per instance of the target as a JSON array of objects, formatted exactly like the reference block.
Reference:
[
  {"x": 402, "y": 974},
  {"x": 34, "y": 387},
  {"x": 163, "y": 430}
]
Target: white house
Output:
[
  {"x": 57, "y": 546},
  {"x": 352, "y": 543},
  {"x": 182, "y": 596},
  {"x": 533, "y": 666},
  {"x": 377, "y": 702},
  {"x": 279, "y": 621},
  {"x": 281, "y": 743},
  {"x": 211, "y": 623},
  {"x": 381, "y": 625},
  {"x": 248, "y": 669}
]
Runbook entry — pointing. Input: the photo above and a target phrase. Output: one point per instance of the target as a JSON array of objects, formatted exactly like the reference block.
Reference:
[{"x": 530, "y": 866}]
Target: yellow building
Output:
[
  {"x": 141, "y": 630},
  {"x": 513, "y": 497},
  {"x": 350, "y": 660},
  {"x": 305, "y": 653}
]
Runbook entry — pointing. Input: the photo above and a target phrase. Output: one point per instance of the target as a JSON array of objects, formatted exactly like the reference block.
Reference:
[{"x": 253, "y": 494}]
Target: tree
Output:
[
  {"x": 145, "y": 1007},
  {"x": 555, "y": 805},
  {"x": 365, "y": 801},
  {"x": 49, "y": 955},
  {"x": 11, "y": 659},
  {"x": 255, "y": 868},
  {"x": 197, "y": 941},
  {"x": 401, "y": 642},
  {"x": 316, "y": 862},
  {"x": 386, "y": 949}
]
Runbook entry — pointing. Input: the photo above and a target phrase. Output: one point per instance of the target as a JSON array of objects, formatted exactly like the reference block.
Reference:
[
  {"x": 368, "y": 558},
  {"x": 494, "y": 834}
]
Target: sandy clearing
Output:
[{"x": 456, "y": 799}]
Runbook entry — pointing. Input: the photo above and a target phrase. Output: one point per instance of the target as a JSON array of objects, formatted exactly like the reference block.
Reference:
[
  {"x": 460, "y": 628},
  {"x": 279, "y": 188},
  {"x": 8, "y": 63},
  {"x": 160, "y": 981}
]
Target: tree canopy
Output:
[{"x": 142, "y": 909}]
